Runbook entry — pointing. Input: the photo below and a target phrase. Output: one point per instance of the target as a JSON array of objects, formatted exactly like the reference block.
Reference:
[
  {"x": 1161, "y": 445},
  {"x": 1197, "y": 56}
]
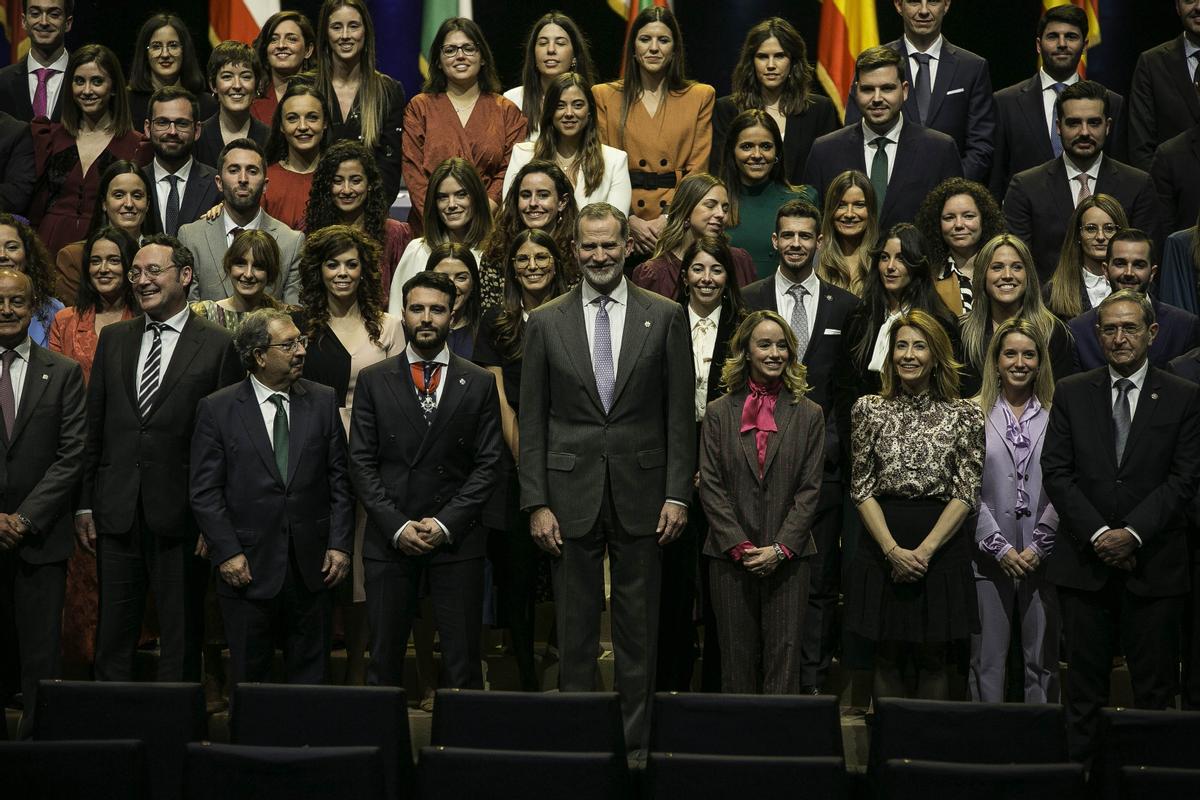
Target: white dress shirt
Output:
[
  {"x": 1189, "y": 60},
  {"x": 264, "y": 394},
  {"x": 893, "y": 135},
  {"x": 1138, "y": 378},
  {"x": 162, "y": 187},
  {"x": 1049, "y": 96},
  {"x": 935, "y": 56},
  {"x": 883, "y": 340},
  {"x": 252, "y": 225},
  {"x": 53, "y": 83},
  {"x": 1097, "y": 287},
  {"x": 442, "y": 358},
  {"x": 787, "y": 304},
  {"x": 703, "y": 345},
  {"x": 1073, "y": 173},
  {"x": 170, "y": 337},
  {"x": 616, "y": 318},
  {"x": 17, "y": 371}
]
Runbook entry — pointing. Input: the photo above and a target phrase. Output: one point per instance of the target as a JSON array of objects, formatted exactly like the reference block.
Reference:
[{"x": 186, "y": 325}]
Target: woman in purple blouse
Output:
[{"x": 1016, "y": 525}]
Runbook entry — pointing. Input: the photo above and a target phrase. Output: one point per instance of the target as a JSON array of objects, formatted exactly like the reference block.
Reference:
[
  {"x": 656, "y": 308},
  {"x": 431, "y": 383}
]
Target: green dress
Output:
[{"x": 756, "y": 220}]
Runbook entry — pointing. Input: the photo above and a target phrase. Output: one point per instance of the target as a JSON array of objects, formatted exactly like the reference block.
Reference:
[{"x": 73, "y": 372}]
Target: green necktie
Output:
[
  {"x": 281, "y": 434},
  {"x": 879, "y": 169}
]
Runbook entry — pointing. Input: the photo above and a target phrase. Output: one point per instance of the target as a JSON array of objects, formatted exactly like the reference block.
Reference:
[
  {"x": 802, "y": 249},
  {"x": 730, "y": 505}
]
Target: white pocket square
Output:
[
  {"x": 955, "y": 91},
  {"x": 833, "y": 332}
]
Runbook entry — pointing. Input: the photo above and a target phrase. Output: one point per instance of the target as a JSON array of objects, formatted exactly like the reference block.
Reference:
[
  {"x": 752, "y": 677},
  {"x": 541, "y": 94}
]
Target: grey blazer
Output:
[
  {"x": 644, "y": 447},
  {"x": 779, "y": 506},
  {"x": 206, "y": 240}
]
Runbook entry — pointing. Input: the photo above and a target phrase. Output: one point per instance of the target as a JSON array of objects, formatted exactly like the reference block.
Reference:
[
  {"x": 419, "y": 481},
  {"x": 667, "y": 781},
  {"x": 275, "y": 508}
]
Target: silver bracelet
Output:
[{"x": 779, "y": 551}]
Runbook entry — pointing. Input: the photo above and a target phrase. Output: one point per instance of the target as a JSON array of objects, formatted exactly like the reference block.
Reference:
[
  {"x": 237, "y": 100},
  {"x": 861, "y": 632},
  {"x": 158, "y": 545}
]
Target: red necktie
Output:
[{"x": 40, "y": 93}]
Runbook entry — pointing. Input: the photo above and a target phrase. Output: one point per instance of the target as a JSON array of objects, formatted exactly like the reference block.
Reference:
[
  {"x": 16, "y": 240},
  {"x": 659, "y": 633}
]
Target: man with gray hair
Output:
[
  {"x": 271, "y": 495},
  {"x": 608, "y": 453}
]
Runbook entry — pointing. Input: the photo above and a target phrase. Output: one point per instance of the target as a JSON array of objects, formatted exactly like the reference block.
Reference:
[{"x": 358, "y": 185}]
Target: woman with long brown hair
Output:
[
  {"x": 849, "y": 227},
  {"x": 1079, "y": 282},
  {"x": 554, "y": 47}
]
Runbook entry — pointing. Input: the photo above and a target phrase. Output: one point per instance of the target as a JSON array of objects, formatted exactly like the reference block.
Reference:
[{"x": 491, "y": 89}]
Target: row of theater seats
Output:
[{"x": 136, "y": 740}]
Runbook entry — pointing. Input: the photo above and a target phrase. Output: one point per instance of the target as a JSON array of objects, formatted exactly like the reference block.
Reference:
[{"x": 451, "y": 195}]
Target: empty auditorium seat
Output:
[
  {"x": 96, "y": 770},
  {"x": 674, "y": 776},
  {"x": 1135, "y": 738},
  {"x": 1159, "y": 783},
  {"x": 743, "y": 724},
  {"x": 243, "y": 772},
  {"x": 910, "y": 779},
  {"x": 580, "y": 722},
  {"x": 447, "y": 772}
]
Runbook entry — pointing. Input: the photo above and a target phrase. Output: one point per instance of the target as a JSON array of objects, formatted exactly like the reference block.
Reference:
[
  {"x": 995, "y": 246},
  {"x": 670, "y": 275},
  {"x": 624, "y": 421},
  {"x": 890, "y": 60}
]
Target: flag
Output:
[
  {"x": 1092, "y": 7},
  {"x": 847, "y": 28},
  {"x": 239, "y": 20},
  {"x": 432, "y": 16},
  {"x": 16, "y": 44}
]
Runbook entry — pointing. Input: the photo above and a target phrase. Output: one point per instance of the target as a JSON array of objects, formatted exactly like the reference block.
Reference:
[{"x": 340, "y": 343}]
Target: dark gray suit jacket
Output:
[
  {"x": 18, "y": 172},
  {"x": 14, "y": 93},
  {"x": 199, "y": 195},
  {"x": 1162, "y": 101},
  {"x": 43, "y": 459},
  {"x": 644, "y": 448},
  {"x": 1176, "y": 175}
]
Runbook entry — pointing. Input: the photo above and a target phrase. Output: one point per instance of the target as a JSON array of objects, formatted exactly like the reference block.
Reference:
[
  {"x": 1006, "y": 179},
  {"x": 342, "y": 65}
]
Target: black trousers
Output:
[
  {"x": 456, "y": 592},
  {"x": 31, "y": 597},
  {"x": 677, "y": 639},
  {"x": 132, "y": 563},
  {"x": 1095, "y": 623},
  {"x": 1191, "y": 641},
  {"x": 819, "y": 632},
  {"x": 304, "y": 619}
]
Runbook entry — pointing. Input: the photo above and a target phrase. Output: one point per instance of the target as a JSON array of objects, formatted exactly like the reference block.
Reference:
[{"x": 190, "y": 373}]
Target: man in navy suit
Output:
[
  {"x": 1162, "y": 102},
  {"x": 1176, "y": 174},
  {"x": 1130, "y": 265},
  {"x": 1187, "y": 366},
  {"x": 181, "y": 188},
  {"x": 1041, "y": 200},
  {"x": 271, "y": 494},
  {"x": 950, "y": 89},
  {"x": 1026, "y": 133},
  {"x": 904, "y": 160},
  {"x": 33, "y": 87},
  {"x": 820, "y": 323}
]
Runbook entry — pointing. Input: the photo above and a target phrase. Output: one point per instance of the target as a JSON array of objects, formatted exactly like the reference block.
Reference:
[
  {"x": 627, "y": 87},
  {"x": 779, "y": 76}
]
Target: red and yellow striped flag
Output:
[
  {"x": 1092, "y": 7},
  {"x": 239, "y": 20},
  {"x": 14, "y": 32},
  {"x": 847, "y": 28},
  {"x": 629, "y": 9}
]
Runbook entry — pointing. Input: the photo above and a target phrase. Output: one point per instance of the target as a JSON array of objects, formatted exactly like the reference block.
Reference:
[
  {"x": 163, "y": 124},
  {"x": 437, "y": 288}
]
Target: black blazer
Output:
[
  {"x": 1162, "y": 101},
  {"x": 388, "y": 147},
  {"x": 14, "y": 93},
  {"x": 43, "y": 459},
  {"x": 404, "y": 469},
  {"x": 130, "y": 458},
  {"x": 1178, "y": 332},
  {"x": 243, "y": 505},
  {"x": 1040, "y": 202},
  {"x": 326, "y": 360},
  {"x": 1023, "y": 135},
  {"x": 802, "y": 130},
  {"x": 209, "y": 145},
  {"x": 960, "y": 105},
  {"x": 1176, "y": 174},
  {"x": 1148, "y": 491},
  {"x": 18, "y": 172},
  {"x": 199, "y": 195},
  {"x": 924, "y": 158}
]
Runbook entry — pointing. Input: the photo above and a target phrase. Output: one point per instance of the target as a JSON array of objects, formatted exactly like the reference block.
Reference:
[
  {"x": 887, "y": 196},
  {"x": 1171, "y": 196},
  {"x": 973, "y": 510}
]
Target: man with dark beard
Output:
[
  {"x": 817, "y": 313},
  {"x": 1130, "y": 265},
  {"x": 425, "y": 449},
  {"x": 242, "y": 179},
  {"x": 181, "y": 188}
]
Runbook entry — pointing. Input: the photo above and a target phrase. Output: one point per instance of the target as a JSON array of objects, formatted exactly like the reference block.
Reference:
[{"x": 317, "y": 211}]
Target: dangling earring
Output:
[{"x": 572, "y": 63}]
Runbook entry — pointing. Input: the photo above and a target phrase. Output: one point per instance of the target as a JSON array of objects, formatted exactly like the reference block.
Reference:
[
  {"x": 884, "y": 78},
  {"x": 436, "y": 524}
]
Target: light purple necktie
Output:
[
  {"x": 39, "y": 94},
  {"x": 8, "y": 400},
  {"x": 602, "y": 360}
]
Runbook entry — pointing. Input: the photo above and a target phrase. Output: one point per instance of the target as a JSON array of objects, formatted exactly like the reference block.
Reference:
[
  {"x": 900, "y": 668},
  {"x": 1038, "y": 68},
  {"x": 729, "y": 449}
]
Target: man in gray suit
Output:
[
  {"x": 242, "y": 179},
  {"x": 608, "y": 454}
]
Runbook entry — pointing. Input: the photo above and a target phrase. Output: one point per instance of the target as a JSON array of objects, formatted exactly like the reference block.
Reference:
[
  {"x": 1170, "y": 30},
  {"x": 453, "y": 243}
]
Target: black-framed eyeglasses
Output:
[
  {"x": 451, "y": 50},
  {"x": 152, "y": 271},
  {"x": 290, "y": 346},
  {"x": 162, "y": 124}
]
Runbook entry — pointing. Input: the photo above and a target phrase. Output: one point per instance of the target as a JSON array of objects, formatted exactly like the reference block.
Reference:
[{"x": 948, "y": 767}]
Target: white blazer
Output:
[{"x": 614, "y": 187}]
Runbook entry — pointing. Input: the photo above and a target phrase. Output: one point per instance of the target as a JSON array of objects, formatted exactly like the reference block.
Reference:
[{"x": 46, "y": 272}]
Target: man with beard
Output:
[
  {"x": 1026, "y": 125},
  {"x": 181, "y": 188},
  {"x": 1162, "y": 102},
  {"x": 425, "y": 449},
  {"x": 817, "y": 313},
  {"x": 1130, "y": 265},
  {"x": 1040, "y": 200},
  {"x": 242, "y": 179},
  {"x": 904, "y": 160},
  {"x": 32, "y": 88},
  {"x": 148, "y": 376},
  {"x": 608, "y": 455},
  {"x": 271, "y": 495}
]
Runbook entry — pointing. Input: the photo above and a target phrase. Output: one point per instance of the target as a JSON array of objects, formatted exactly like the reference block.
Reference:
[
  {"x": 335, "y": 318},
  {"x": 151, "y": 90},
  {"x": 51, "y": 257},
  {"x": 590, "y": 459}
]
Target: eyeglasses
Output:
[
  {"x": 1129, "y": 329},
  {"x": 112, "y": 261},
  {"x": 172, "y": 48},
  {"x": 1091, "y": 229},
  {"x": 290, "y": 347},
  {"x": 162, "y": 124},
  {"x": 451, "y": 50},
  {"x": 152, "y": 272},
  {"x": 539, "y": 259}
]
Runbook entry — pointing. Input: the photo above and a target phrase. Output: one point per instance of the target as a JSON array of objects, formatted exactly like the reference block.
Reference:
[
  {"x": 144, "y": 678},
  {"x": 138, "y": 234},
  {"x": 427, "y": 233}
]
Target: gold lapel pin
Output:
[
  {"x": 462, "y": 381},
  {"x": 647, "y": 323}
]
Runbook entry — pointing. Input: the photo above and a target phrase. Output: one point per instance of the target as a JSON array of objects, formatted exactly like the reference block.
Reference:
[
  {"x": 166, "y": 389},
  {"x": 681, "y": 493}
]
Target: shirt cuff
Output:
[
  {"x": 677, "y": 502},
  {"x": 83, "y": 511},
  {"x": 1134, "y": 534},
  {"x": 739, "y": 550},
  {"x": 445, "y": 530},
  {"x": 1096, "y": 535},
  {"x": 786, "y": 552},
  {"x": 396, "y": 535}
]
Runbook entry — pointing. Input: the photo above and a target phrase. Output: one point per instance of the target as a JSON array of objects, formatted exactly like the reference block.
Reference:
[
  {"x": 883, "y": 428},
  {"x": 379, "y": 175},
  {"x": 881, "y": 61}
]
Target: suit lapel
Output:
[
  {"x": 899, "y": 170},
  {"x": 573, "y": 332},
  {"x": 256, "y": 429},
  {"x": 720, "y": 351},
  {"x": 1104, "y": 413},
  {"x": 216, "y": 250},
  {"x": 824, "y": 301},
  {"x": 37, "y": 377},
  {"x": 455, "y": 383},
  {"x": 128, "y": 350},
  {"x": 400, "y": 382},
  {"x": 1179, "y": 71},
  {"x": 785, "y": 411},
  {"x": 1034, "y": 111},
  {"x": 298, "y": 424},
  {"x": 153, "y": 214},
  {"x": 1147, "y": 403},
  {"x": 186, "y": 348},
  {"x": 189, "y": 206},
  {"x": 745, "y": 440},
  {"x": 947, "y": 65},
  {"x": 637, "y": 328},
  {"x": 21, "y": 92},
  {"x": 1060, "y": 189}
]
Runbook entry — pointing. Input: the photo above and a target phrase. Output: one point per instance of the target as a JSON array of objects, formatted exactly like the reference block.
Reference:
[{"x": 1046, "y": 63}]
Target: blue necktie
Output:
[
  {"x": 602, "y": 359},
  {"x": 1055, "y": 139}
]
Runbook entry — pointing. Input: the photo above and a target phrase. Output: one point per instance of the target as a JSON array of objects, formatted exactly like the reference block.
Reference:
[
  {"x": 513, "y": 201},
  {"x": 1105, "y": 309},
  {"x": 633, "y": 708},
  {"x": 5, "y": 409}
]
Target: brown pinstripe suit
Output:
[{"x": 759, "y": 620}]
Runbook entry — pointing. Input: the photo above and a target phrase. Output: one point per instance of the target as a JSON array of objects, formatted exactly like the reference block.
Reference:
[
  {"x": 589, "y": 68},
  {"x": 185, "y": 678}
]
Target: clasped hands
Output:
[
  {"x": 12, "y": 530},
  {"x": 908, "y": 566},
  {"x": 1115, "y": 548},
  {"x": 761, "y": 561},
  {"x": 1019, "y": 565},
  {"x": 418, "y": 537}
]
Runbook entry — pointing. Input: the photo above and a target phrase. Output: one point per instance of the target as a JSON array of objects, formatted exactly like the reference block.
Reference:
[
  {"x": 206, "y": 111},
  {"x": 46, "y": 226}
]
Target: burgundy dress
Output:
[{"x": 64, "y": 197}]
